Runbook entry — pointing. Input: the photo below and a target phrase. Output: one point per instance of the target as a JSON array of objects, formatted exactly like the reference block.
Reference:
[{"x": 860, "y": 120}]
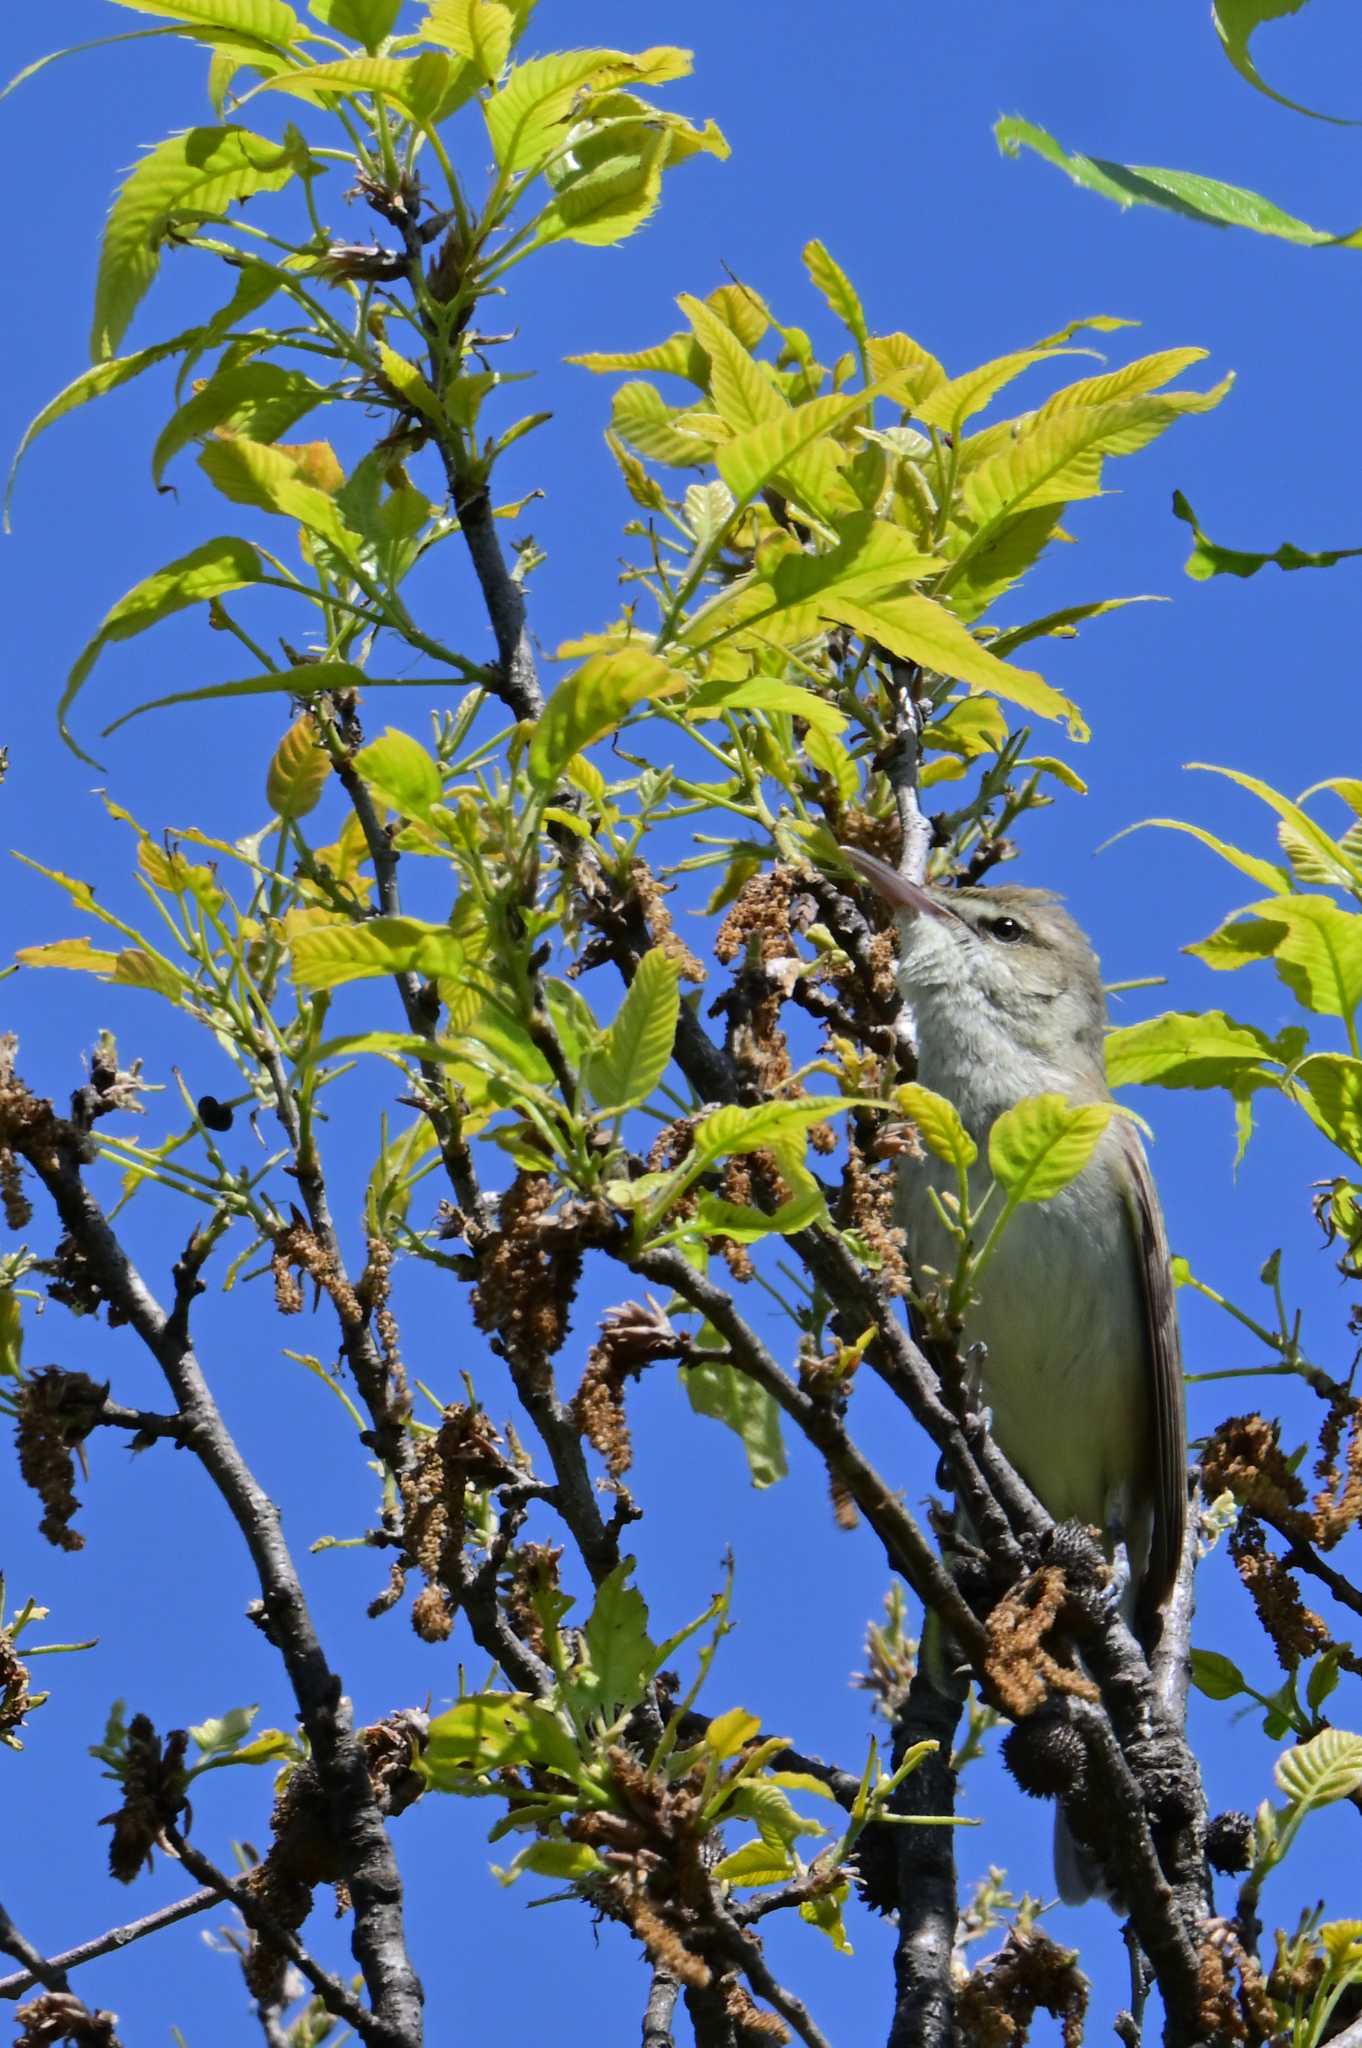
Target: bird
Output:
[{"x": 1073, "y": 1330}]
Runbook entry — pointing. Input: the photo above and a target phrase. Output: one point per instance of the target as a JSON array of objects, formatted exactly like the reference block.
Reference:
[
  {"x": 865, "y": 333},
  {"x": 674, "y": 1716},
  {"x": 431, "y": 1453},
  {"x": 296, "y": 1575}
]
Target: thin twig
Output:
[
  {"x": 38, "y": 1968},
  {"x": 116, "y": 1938},
  {"x": 335, "y": 1996}
]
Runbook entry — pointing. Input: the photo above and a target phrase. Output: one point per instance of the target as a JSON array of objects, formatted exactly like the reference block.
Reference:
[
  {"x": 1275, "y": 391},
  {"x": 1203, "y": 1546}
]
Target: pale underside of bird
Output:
[{"x": 1073, "y": 1333}]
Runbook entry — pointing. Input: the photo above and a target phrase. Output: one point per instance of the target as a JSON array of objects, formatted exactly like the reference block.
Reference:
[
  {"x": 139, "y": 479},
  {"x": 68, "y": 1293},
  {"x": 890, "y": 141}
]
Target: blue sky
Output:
[{"x": 871, "y": 130}]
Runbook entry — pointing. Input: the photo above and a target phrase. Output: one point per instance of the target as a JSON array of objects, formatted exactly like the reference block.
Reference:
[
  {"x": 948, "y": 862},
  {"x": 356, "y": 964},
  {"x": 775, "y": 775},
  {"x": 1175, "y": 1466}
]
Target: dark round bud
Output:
[
  {"x": 1046, "y": 1758},
  {"x": 214, "y": 1115},
  {"x": 1229, "y": 1843}
]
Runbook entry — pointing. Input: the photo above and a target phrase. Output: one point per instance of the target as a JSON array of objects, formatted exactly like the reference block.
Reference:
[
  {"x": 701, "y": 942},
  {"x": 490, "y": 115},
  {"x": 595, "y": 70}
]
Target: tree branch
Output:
[
  {"x": 116, "y": 1938},
  {"x": 55, "y": 1151},
  {"x": 925, "y": 1880}
]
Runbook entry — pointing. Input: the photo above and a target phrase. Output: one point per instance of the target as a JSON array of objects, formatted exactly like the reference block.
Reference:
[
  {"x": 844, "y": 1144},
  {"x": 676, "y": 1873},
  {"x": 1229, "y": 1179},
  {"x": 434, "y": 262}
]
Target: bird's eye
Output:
[{"x": 1005, "y": 929}]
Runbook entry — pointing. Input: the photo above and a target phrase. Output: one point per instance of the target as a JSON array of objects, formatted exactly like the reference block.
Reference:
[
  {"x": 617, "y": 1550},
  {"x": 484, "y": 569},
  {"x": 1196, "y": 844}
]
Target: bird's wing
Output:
[{"x": 1163, "y": 1358}]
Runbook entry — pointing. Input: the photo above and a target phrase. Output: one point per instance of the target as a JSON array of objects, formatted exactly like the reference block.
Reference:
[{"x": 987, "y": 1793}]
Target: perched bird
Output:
[{"x": 1081, "y": 1367}]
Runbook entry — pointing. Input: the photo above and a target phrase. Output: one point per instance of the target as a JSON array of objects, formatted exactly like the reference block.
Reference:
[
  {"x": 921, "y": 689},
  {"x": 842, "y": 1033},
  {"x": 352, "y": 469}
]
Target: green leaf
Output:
[
  {"x": 1219, "y": 1678},
  {"x": 756, "y": 1862},
  {"x": 619, "y": 1653},
  {"x": 368, "y": 21},
  {"x": 832, "y": 281},
  {"x": 312, "y": 679},
  {"x": 415, "y": 85},
  {"x": 742, "y": 393},
  {"x": 1196, "y": 198},
  {"x": 728, "y": 1396},
  {"x": 410, "y": 385},
  {"x": 93, "y": 383},
  {"x": 1181, "y": 1050},
  {"x": 824, "y": 1911},
  {"x": 483, "y": 1733},
  {"x": 529, "y": 117},
  {"x": 77, "y": 954},
  {"x": 208, "y": 571},
  {"x": 592, "y": 703},
  {"x": 188, "y": 178},
  {"x": 401, "y": 773},
  {"x": 271, "y": 479},
  {"x": 1208, "y": 559},
  {"x": 1235, "y": 21},
  {"x": 1265, "y": 872},
  {"x": 736, "y": 1128},
  {"x": 298, "y": 772},
  {"x": 326, "y": 955},
  {"x": 1291, "y": 814},
  {"x": 605, "y": 203},
  {"x": 271, "y": 20},
  {"x": 949, "y": 405},
  {"x": 224, "y": 1733},
  {"x": 872, "y": 560},
  {"x": 1333, "y": 1087},
  {"x": 482, "y": 31},
  {"x": 632, "y": 1058},
  {"x": 717, "y": 1218},
  {"x": 1061, "y": 625},
  {"x": 939, "y": 1123},
  {"x": 917, "y": 628},
  {"x": 260, "y": 400},
  {"x": 728, "y": 1733},
  {"x": 555, "y": 1859},
  {"x": 762, "y": 1801},
  {"x": 1318, "y": 1772},
  {"x": 1039, "y": 1146},
  {"x": 1317, "y": 949}
]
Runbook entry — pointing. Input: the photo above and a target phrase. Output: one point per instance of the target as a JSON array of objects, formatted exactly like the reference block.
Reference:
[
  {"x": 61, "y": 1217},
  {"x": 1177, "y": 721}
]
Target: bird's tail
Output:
[{"x": 1078, "y": 1876}]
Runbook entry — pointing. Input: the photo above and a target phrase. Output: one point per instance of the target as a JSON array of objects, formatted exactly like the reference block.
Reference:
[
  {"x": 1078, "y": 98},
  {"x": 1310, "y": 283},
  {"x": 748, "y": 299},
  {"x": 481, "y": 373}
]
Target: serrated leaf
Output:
[
  {"x": 271, "y": 20},
  {"x": 260, "y": 400},
  {"x": 324, "y": 956},
  {"x": 917, "y": 628},
  {"x": 1317, "y": 950},
  {"x": 189, "y": 177},
  {"x": 1290, "y": 813},
  {"x": 208, "y": 571},
  {"x": 872, "y": 559},
  {"x": 1190, "y": 1050},
  {"x": 1333, "y": 1092},
  {"x": 640, "y": 415},
  {"x": 605, "y": 203},
  {"x": 939, "y": 1123},
  {"x": 824, "y": 1911},
  {"x": 298, "y": 773},
  {"x": 832, "y": 281},
  {"x": 482, "y": 31},
  {"x": 1207, "y": 200},
  {"x": 737, "y": 1128},
  {"x": 1062, "y": 624},
  {"x": 528, "y": 118},
  {"x": 619, "y": 1653},
  {"x": 1041, "y": 1144},
  {"x": 368, "y": 21},
  {"x": 277, "y": 480},
  {"x": 761, "y": 1800},
  {"x": 1325, "y": 1769},
  {"x": 1265, "y": 872},
  {"x": 78, "y": 954},
  {"x": 592, "y": 703},
  {"x": 949, "y": 405},
  {"x": 417, "y": 86},
  {"x": 555, "y": 1859},
  {"x": 633, "y": 1057},
  {"x": 401, "y": 773}
]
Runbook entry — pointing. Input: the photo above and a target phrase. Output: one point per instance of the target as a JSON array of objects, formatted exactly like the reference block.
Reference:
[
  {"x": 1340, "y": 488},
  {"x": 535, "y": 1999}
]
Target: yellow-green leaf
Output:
[
  {"x": 275, "y": 480},
  {"x": 74, "y": 953},
  {"x": 1039, "y": 1146},
  {"x": 324, "y": 956},
  {"x": 415, "y": 85},
  {"x": 368, "y": 21},
  {"x": 757, "y": 1862},
  {"x": 410, "y": 385},
  {"x": 837, "y": 288},
  {"x": 1318, "y": 1772},
  {"x": 297, "y": 774},
  {"x": 208, "y": 571},
  {"x": 528, "y": 118},
  {"x": 592, "y": 703},
  {"x": 730, "y": 1732},
  {"x": 917, "y": 628},
  {"x": 401, "y": 773},
  {"x": 1333, "y": 1098},
  {"x": 633, "y": 1056},
  {"x": 1181, "y": 1050},
  {"x": 480, "y": 30},
  {"x": 193, "y": 176},
  {"x": 939, "y": 1122},
  {"x": 1291, "y": 814}
]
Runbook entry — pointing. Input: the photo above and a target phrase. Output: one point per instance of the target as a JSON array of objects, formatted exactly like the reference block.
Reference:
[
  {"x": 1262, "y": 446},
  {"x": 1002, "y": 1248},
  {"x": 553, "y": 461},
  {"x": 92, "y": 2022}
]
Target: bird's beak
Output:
[{"x": 896, "y": 888}]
